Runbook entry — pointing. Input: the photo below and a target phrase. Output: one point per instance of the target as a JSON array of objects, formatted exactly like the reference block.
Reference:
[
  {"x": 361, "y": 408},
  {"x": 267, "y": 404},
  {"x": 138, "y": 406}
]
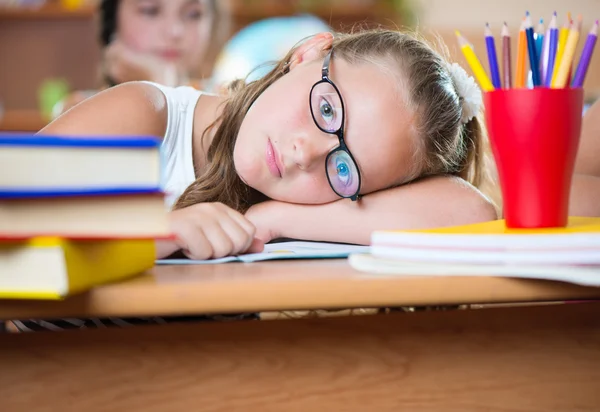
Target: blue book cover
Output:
[
  {"x": 32, "y": 193},
  {"x": 124, "y": 142}
]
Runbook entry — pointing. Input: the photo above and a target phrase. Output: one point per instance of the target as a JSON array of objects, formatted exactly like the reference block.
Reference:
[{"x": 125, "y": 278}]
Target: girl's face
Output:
[
  {"x": 175, "y": 31},
  {"x": 280, "y": 129}
]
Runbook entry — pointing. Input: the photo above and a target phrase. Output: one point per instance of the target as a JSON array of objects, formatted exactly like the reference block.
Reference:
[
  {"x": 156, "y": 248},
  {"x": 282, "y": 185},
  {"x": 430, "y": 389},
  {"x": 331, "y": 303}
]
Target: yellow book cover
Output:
[
  {"x": 493, "y": 231},
  {"x": 53, "y": 268},
  {"x": 498, "y": 227}
]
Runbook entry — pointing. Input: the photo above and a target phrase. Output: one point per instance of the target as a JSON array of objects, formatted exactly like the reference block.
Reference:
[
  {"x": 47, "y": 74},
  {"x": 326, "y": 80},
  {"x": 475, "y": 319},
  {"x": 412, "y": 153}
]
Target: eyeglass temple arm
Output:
[{"x": 325, "y": 69}]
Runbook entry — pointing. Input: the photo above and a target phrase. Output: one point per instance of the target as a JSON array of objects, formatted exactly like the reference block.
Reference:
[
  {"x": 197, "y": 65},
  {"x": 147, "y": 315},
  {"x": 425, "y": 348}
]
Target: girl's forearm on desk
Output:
[
  {"x": 585, "y": 196},
  {"x": 434, "y": 202}
]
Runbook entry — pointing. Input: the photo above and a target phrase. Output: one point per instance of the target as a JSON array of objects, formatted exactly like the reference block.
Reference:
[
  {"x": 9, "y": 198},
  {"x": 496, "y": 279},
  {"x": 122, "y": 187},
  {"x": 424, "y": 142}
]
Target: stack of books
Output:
[
  {"x": 76, "y": 212},
  {"x": 570, "y": 254}
]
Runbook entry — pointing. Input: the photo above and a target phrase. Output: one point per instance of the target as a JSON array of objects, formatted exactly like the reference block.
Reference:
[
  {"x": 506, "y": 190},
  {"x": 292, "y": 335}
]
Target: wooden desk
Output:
[
  {"x": 507, "y": 359},
  {"x": 283, "y": 285}
]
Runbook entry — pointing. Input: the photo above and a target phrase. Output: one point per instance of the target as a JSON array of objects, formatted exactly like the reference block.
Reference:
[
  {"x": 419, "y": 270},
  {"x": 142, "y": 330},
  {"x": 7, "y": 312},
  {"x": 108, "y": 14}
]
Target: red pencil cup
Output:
[{"x": 534, "y": 135}]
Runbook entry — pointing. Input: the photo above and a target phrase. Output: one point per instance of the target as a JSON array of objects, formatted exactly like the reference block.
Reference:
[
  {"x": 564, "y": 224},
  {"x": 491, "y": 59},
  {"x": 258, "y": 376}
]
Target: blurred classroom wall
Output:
[
  {"x": 464, "y": 14},
  {"x": 53, "y": 43}
]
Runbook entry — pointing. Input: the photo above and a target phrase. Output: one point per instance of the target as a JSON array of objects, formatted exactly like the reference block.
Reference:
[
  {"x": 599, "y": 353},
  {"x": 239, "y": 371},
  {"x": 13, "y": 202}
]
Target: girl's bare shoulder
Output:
[{"x": 128, "y": 109}]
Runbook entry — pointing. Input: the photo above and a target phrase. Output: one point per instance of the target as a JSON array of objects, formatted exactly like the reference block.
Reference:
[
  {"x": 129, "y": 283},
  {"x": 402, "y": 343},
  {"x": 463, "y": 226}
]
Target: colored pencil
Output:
[
  {"x": 562, "y": 41},
  {"x": 521, "y": 71},
  {"x": 552, "y": 46},
  {"x": 492, "y": 57},
  {"x": 570, "y": 75},
  {"x": 533, "y": 59},
  {"x": 474, "y": 63},
  {"x": 539, "y": 42},
  {"x": 567, "y": 58},
  {"x": 544, "y": 55},
  {"x": 506, "y": 59},
  {"x": 545, "y": 59},
  {"x": 551, "y": 55},
  {"x": 586, "y": 56}
]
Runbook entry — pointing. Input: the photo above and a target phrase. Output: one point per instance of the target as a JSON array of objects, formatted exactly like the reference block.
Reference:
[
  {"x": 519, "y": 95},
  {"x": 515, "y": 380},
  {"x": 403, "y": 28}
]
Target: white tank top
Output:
[{"x": 176, "y": 148}]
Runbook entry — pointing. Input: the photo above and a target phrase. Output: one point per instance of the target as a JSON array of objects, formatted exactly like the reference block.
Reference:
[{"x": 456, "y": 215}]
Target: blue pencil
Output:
[
  {"x": 539, "y": 42},
  {"x": 533, "y": 59},
  {"x": 492, "y": 58}
]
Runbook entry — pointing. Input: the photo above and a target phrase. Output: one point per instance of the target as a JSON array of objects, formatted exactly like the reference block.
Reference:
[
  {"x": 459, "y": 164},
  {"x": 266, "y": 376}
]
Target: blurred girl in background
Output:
[{"x": 163, "y": 41}]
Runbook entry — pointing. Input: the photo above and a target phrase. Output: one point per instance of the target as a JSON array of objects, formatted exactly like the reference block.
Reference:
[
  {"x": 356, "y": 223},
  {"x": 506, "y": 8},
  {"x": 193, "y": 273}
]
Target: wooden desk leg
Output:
[{"x": 508, "y": 359}]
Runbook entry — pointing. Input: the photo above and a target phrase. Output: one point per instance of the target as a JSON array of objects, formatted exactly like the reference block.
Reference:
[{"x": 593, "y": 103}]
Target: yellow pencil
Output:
[
  {"x": 562, "y": 77},
  {"x": 474, "y": 63},
  {"x": 562, "y": 40}
]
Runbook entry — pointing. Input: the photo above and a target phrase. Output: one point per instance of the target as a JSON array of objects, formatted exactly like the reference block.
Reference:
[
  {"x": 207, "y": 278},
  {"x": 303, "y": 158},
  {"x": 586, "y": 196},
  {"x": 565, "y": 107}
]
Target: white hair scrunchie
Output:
[{"x": 468, "y": 91}]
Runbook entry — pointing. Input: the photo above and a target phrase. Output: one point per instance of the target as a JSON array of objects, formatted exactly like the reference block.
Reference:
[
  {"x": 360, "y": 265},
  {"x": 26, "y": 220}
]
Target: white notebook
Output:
[{"x": 588, "y": 275}]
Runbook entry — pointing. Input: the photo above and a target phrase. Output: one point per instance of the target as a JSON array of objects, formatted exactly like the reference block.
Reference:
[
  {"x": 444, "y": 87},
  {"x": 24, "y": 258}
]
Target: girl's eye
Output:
[
  {"x": 327, "y": 111},
  {"x": 343, "y": 172},
  {"x": 193, "y": 14},
  {"x": 150, "y": 11}
]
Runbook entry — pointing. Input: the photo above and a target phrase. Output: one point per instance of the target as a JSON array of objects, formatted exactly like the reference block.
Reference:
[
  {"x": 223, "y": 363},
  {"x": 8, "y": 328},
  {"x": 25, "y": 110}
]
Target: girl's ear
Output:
[{"x": 311, "y": 49}]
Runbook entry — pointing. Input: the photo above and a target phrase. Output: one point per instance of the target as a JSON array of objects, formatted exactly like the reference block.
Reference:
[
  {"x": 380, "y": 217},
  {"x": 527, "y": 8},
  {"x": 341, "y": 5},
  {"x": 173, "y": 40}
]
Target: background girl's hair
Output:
[
  {"x": 444, "y": 145},
  {"x": 107, "y": 13},
  {"x": 108, "y": 21}
]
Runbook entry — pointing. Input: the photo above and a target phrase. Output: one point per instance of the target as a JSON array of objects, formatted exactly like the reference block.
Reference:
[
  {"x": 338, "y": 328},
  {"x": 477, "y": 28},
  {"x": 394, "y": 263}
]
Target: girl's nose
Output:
[
  {"x": 311, "y": 151},
  {"x": 174, "y": 28}
]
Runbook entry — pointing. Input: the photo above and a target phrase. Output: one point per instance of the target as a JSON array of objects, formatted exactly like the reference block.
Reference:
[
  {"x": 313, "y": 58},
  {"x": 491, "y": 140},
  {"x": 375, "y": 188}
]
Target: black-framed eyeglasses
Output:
[{"x": 327, "y": 109}]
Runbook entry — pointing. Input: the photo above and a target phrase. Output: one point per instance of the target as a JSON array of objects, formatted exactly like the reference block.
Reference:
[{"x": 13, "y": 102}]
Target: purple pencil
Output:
[
  {"x": 552, "y": 48},
  {"x": 492, "y": 58},
  {"x": 586, "y": 57}
]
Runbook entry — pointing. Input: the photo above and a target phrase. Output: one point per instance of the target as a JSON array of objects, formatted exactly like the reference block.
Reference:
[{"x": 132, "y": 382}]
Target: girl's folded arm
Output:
[
  {"x": 128, "y": 109},
  {"x": 433, "y": 202}
]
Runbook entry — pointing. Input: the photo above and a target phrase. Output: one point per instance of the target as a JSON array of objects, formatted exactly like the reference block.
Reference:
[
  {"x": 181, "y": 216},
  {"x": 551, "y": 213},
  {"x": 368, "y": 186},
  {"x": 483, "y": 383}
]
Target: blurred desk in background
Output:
[
  {"x": 21, "y": 121},
  {"x": 37, "y": 44}
]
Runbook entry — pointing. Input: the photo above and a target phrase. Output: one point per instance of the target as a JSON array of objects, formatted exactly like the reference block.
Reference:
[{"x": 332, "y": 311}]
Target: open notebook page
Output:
[{"x": 281, "y": 250}]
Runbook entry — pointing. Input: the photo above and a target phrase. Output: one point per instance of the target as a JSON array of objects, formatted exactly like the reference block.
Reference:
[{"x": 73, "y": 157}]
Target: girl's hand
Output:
[
  {"x": 265, "y": 216},
  {"x": 123, "y": 64},
  {"x": 209, "y": 231}
]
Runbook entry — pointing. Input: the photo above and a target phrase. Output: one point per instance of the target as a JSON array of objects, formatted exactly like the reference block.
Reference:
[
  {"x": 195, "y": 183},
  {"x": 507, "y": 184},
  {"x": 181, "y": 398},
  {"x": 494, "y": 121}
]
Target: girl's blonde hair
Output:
[{"x": 446, "y": 145}]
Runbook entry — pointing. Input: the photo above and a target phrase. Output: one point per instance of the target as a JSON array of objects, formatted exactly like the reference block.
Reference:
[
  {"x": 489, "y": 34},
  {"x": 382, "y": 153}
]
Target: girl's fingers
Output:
[
  {"x": 247, "y": 225},
  {"x": 239, "y": 236},
  {"x": 220, "y": 243},
  {"x": 257, "y": 246},
  {"x": 213, "y": 231},
  {"x": 165, "y": 247},
  {"x": 194, "y": 243}
]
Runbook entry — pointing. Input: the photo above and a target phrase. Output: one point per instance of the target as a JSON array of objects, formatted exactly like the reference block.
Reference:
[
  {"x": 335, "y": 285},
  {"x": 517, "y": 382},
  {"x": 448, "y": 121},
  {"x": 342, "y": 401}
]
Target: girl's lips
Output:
[
  {"x": 271, "y": 158},
  {"x": 170, "y": 54}
]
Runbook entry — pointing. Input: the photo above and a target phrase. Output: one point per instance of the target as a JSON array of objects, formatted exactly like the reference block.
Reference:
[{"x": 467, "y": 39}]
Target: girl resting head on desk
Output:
[
  {"x": 345, "y": 135},
  {"x": 164, "y": 41}
]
